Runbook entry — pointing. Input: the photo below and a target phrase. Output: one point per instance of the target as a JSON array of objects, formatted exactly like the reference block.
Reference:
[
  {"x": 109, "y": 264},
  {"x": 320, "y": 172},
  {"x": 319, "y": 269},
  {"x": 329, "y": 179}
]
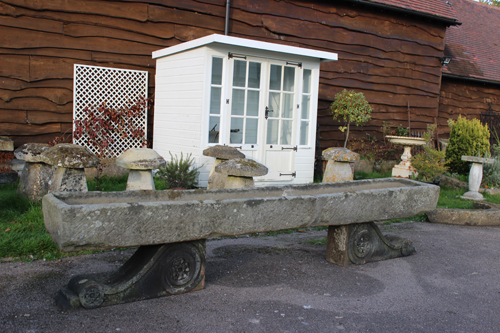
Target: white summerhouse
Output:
[{"x": 259, "y": 97}]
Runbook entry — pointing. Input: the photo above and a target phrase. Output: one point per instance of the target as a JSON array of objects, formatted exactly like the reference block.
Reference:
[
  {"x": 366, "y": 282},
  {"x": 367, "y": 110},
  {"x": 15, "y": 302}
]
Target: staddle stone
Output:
[
  {"x": 240, "y": 172},
  {"x": 338, "y": 168},
  {"x": 221, "y": 153},
  {"x": 30, "y": 152},
  {"x": 140, "y": 161},
  {"x": 68, "y": 155}
]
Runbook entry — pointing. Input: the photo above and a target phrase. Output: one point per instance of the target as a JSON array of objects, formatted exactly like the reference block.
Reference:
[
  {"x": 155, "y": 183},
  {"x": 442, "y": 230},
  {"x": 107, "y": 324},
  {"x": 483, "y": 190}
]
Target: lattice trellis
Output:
[{"x": 94, "y": 85}]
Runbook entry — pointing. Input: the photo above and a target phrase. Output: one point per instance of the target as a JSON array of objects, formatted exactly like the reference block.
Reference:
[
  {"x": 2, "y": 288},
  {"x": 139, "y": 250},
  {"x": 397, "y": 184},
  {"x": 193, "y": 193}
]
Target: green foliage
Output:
[
  {"x": 469, "y": 138},
  {"x": 358, "y": 175},
  {"x": 350, "y": 107},
  {"x": 179, "y": 173},
  {"x": 401, "y": 131},
  {"x": 491, "y": 172},
  {"x": 450, "y": 198},
  {"x": 491, "y": 2},
  {"x": 430, "y": 164}
]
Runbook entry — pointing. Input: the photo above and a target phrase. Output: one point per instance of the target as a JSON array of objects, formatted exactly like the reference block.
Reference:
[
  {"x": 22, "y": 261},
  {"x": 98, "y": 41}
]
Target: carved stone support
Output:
[
  {"x": 153, "y": 271},
  {"x": 359, "y": 243}
]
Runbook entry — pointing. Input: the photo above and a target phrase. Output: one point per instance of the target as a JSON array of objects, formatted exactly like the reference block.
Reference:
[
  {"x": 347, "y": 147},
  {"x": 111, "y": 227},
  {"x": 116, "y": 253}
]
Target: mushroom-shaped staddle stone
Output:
[
  {"x": 221, "y": 153},
  {"x": 240, "y": 172},
  {"x": 140, "y": 161},
  {"x": 338, "y": 168},
  {"x": 36, "y": 175},
  {"x": 70, "y": 161}
]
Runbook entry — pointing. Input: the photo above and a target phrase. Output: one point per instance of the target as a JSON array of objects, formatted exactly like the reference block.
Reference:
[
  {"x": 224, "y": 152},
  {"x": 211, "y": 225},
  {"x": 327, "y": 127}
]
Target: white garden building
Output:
[{"x": 259, "y": 97}]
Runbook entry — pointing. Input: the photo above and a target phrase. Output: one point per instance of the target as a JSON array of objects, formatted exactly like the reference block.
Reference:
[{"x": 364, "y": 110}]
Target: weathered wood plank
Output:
[
  {"x": 36, "y": 104},
  {"x": 13, "y": 116},
  {"x": 132, "y": 11},
  {"x": 32, "y": 24},
  {"x": 28, "y": 129},
  {"x": 51, "y": 52},
  {"x": 164, "y": 14},
  {"x": 112, "y": 58},
  {"x": 39, "y": 117},
  {"x": 14, "y": 84},
  {"x": 59, "y": 96},
  {"x": 14, "y": 66}
]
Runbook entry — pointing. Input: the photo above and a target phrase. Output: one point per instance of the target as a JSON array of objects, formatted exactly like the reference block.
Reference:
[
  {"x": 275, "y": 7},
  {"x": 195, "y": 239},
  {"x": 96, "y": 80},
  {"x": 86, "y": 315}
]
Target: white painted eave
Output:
[{"x": 242, "y": 42}]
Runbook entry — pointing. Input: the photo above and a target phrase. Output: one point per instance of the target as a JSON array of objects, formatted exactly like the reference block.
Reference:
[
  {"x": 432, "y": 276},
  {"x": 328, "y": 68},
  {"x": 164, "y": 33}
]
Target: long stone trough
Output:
[{"x": 171, "y": 227}]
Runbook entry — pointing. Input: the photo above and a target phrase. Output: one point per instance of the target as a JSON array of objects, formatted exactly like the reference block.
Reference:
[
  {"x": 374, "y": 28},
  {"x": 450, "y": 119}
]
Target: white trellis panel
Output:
[{"x": 94, "y": 85}]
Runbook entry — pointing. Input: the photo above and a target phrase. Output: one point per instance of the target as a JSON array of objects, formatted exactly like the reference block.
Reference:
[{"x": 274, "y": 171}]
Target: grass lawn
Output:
[{"x": 23, "y": 235}]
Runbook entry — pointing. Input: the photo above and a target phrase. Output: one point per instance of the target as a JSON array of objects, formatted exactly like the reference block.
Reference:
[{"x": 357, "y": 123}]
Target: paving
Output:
[{"x": 284, "y": 284}]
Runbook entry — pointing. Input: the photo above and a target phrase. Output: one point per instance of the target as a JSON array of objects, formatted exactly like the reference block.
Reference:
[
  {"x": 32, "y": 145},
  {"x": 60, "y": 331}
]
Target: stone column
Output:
[{"x": 475, "y": 176}]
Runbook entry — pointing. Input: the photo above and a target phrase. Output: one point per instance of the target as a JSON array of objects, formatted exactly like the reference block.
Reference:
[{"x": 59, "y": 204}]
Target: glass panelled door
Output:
[
  {"x": 245, "y": 105},
  {"x": 279, "y": 149}
]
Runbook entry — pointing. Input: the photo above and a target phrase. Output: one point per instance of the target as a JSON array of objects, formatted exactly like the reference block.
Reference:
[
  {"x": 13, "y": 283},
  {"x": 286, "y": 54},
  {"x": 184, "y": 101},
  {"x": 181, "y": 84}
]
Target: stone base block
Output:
[
  {"x": 68, "y": 180},
  {"x": 239, "y": 182},
  {"x": 153, "y": 271},
  {"x": 403, "y": 171},
  {"x": 34, "y": 181},
  {"x": 337, "y": 172},
  {"x": 216, "y": 179},
  {"x": 357, "y": 244},
  {"x": 140, "y": 180},
  {"x": 476, "y": 196}
]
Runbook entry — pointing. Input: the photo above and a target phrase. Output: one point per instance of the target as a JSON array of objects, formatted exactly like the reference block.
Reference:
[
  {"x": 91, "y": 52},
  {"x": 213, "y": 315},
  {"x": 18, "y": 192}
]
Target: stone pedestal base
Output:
[
  {"x": 357, "y": 244},
  {"x": 140, "y": 180},
  {"x": 68, "y": 180},
  {"x": 337, "y": 172},
  {"x": 216, "y": 179},
  {"x": 34, "y": 182},
  {"x": 153, "y": 271},
  {"x": 404, "y": 170},
  {"x": 239, "y": 182},
  {"x": 471, "y": 195}
]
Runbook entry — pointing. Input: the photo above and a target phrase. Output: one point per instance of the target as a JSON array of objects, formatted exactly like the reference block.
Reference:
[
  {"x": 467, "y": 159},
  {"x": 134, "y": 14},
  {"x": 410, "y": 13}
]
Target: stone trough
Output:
[{"x": 171, "y": 227}]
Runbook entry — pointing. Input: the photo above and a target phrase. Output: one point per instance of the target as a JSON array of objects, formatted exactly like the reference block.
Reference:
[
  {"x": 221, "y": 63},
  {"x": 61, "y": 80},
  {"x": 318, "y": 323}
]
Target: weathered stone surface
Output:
[
  {"x": 337, "y": 172},
  {"x": 239, "y": 182},
  {"x": 241, "y": 167},
  {"x": 340, "y": 154},
  {"x": 140, "y": 180},
  {"x": 68, "y": 155},
  {"x": 480, "y": 160},
  {"x": 34, "y": 181},
  {"x": 140, "y": 159},
  {"x": 108, "y": 167},
  {"x": 103, "y": 220},
  {"x": 68, "y": 180},
  {"x": 216, "y": 179},
  {"x": 6, "y": 144},
  {"x": 223, "y": 152},
  {"x": 17, "y": 166},
  {"x": 479, "y": 217},
  {"x": 30, "y": 152},
  {"x": 475, "y": 178}
]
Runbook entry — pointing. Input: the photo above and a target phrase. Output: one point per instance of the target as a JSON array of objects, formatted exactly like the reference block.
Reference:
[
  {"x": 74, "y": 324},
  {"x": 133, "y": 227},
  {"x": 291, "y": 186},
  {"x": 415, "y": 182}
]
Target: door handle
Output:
[{"x": 267, "y": 112}]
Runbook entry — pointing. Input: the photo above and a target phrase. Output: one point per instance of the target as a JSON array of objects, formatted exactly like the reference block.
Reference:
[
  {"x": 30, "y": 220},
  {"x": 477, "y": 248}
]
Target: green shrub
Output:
[
  {"x": 467, "y": 137},
  {"x": 491, "y": 172},
  {"x": 179, "y": 173},
  {"x": 430, "y": 164}
]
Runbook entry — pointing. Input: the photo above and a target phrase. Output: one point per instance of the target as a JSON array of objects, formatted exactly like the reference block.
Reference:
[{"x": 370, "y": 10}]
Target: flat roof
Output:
[{"x": 243, "y": 42}]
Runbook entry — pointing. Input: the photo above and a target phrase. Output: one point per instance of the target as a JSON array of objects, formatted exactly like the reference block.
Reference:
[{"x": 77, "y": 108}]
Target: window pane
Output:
[
  {"x": 251, "y": 131},
  {"x": 254, "y": 75},
  {"x": 214, "y": 128},
  {"x": 272, "y": 132},
  {"x": 304, "y": 132},
  {"x": 307, "y": 81},
  {"x": 238, "y": 103},
  {"x": 217, "y": 71},
  {"x": 274, "y": 104},
  {"x": 215, "y": 94},
  {"x": 289, "y": 79},
  {"x": 275, "y": 78},
  {"x": 236, "y": 135},
  {"x": 305, "y": 106},
  {"x": 287, "y": 105},
  {"x": 239, "y": 73},
  {"x": 286, "y": 132},
  {"x": 253, "y": 103}
]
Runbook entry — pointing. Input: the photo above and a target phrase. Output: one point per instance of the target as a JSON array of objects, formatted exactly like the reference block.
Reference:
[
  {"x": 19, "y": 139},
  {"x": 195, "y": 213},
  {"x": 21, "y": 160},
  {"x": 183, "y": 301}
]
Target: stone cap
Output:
[
  {"x": 30, "y": 152},
  {"x": 140, "y": 159},
  {"x": 223, "y": 152},
  {"x": 340, "y": 155},
  {"x": 241, "y": 167},
  {"x": 6, "y": 144},
  {"x": 475, "y": 159},
  {"x": 68, "y": 155}
]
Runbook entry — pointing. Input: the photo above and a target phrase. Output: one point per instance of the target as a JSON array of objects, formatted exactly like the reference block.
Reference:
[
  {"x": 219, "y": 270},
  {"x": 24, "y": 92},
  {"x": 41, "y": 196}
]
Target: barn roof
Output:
[
  {"x": 475, "y": 45},
  {"x": 438, "y": 9}
]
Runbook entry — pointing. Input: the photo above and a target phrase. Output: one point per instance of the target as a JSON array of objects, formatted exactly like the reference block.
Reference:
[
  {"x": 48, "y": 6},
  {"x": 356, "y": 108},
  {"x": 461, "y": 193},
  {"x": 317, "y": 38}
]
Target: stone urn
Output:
[{"x": 404, "y": 169}]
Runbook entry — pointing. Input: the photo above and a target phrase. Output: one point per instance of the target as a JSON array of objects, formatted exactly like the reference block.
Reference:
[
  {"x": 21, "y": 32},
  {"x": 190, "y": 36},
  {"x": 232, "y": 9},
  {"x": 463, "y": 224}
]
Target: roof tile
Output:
[{"x": 439, "y": 8}]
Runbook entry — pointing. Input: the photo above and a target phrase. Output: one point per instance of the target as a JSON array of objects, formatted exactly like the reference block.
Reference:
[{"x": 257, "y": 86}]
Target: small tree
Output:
[{"x": 351, "y": 107}]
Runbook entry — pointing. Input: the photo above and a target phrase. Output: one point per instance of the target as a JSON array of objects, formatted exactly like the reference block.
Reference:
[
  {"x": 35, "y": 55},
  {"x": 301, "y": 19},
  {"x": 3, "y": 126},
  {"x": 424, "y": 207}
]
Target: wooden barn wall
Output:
[
  {"x": 466, "y": 98},
  {"x": 392, "y": 59}
]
